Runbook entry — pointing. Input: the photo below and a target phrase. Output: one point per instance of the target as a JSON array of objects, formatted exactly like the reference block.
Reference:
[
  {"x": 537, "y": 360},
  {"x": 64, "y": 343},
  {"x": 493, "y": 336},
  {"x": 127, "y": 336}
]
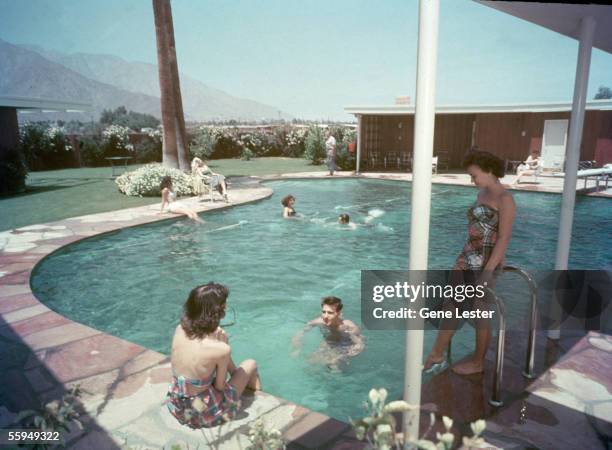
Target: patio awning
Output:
[
  {"x": 42, "y": 104},
  {"x": 563, "y": 17}
]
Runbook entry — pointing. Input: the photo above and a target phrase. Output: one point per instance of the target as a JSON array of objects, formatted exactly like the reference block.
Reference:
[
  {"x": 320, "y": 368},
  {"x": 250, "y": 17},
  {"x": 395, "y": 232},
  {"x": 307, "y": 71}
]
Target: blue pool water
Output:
[{"x": 132, "y": 283}]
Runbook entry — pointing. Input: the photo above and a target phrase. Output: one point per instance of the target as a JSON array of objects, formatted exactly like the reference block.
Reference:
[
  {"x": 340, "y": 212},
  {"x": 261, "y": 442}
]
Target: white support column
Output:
[
  {"x": 572, "y": 153},
  {"x": 359, "y": 122},
  {"x": 421, "y": 192}
]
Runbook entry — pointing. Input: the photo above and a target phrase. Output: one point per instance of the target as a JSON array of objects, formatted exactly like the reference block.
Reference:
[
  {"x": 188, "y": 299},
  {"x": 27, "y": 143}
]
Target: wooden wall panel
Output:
[
  {"x": 453, "y": 134},
  {"x": 508, "y": 135}
]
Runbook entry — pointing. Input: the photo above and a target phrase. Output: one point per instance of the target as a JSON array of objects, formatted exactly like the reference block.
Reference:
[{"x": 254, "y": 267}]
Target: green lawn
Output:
[{"x": 59, "y": 194}]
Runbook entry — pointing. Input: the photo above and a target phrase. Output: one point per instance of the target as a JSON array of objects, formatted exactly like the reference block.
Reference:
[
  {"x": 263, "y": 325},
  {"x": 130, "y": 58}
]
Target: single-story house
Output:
[{"x": 509, "y": 131}]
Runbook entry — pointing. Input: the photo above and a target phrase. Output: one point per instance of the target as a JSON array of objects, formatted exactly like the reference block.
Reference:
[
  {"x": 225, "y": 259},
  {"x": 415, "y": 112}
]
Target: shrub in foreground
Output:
[
  {"x": 144, "y": 181},
  {"x": 13, "y": 171}
]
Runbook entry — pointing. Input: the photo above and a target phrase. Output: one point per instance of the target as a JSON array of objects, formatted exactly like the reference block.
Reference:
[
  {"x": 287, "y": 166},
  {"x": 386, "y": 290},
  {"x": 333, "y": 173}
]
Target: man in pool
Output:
[{"x": 342, "y": 338}]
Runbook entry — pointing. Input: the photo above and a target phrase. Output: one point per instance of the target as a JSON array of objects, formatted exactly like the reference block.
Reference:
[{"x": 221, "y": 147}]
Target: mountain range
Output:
[{"x": 107, "y": 81}]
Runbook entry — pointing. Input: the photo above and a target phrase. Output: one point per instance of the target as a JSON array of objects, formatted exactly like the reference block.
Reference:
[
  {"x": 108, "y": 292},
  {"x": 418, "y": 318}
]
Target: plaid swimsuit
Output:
[
  {"x": 208, "y": 408},
  {"x": 483, "y": 224}
]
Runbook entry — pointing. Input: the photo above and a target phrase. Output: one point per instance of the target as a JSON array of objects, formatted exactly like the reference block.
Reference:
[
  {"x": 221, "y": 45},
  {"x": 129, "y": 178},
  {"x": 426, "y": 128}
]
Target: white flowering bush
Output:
[
  {"x": 258, "y": 142},
  {"x": 57, "y": 139},
  {"x": 379, "y": 428},
  {"x": 45, "y": 146},
  {"x": 204, "y": 141},
  {"x": 296, "y": 136},
  {"x": 145, "y": 181},
  {"x": 156, "y": 134},
  {"x": 261, "y": 438},
  {"x": 117, "y": 137},
  {"x": 294, "y": 142}
]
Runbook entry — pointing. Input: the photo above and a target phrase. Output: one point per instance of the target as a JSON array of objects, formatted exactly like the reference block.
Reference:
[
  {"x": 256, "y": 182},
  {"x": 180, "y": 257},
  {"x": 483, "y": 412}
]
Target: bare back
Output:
[{"x": 198, "y": 358}]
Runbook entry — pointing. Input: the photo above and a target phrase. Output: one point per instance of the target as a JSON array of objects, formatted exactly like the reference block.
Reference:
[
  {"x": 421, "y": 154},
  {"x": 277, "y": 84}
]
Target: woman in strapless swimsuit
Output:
[
  {"x": 288, "y": 210},
  {"x": 490, "y": 221},
  {"x": 200, "y": 394}
]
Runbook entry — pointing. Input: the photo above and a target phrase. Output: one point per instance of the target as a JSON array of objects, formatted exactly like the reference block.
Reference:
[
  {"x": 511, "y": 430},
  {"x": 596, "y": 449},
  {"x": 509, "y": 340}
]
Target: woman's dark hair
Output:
[
  {"x": 345, "y": 218},
  {"x": 286, "y": 199},
  {"x": 166, "y": 182},
  {"x": 332, "y": 301},
  {"x": 204, "y": 309},
  {"x": 488, "y": 162}
]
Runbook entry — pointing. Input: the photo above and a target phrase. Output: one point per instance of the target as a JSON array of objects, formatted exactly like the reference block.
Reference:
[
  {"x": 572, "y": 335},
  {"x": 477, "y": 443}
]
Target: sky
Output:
[{"x": 313, "y": 58}]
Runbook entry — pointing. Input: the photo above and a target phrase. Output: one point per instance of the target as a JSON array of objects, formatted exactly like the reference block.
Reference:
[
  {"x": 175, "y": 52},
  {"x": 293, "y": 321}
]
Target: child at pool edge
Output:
[
  {"x": 337, "y": 328},
  {"x": 288, "y": 201}
]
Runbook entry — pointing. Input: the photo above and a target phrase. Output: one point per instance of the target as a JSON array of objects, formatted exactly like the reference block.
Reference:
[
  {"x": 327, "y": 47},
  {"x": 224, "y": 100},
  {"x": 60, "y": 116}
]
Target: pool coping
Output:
[{"x": 65, "y": 353}]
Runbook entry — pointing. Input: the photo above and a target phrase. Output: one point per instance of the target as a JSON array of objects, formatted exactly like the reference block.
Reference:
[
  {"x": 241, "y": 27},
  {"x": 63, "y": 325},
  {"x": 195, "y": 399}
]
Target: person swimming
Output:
[
  {"x": 345, "y": 219},
  {"x": 342, "y": 338},
  {"x": 288, "y": 201}
]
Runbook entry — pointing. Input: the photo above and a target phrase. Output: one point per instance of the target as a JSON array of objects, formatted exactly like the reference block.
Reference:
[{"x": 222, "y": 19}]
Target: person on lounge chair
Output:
[{"x": 530, "y": 166}]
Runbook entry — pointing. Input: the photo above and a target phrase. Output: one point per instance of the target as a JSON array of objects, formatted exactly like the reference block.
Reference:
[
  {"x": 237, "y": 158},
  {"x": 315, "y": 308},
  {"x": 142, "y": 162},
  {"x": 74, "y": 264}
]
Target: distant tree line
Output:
[
  {"x": 604, "y": 92},
  {"x": 131, "y": 119}
]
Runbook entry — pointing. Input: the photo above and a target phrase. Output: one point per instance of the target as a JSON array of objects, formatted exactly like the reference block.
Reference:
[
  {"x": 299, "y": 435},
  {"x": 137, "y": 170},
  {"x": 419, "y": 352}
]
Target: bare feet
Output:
[
  {"x": 432, "y": 360},
  {"x": 470, "y": 366}
]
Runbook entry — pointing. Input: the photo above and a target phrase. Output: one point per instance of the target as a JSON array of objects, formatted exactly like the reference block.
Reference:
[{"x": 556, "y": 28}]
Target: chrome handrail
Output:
[
  {"x": 495, "y": 399},
  {"x": 528, "y": 372}
]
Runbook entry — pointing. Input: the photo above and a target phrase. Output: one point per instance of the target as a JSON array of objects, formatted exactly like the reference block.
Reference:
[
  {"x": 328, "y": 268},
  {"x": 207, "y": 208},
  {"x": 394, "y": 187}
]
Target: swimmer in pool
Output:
[
  {"x": 342, "y": 338},
  {"x": 288, "y": 210},
  {"x": 345, "y": 219}
]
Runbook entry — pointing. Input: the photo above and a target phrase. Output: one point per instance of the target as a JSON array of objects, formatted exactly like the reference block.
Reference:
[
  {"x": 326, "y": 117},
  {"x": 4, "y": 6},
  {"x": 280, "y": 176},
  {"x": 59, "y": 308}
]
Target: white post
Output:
[
  {"x": 572, "y": 152},
  {"x": 421, "y": 192},
  {"x": 358, "y": 144}
]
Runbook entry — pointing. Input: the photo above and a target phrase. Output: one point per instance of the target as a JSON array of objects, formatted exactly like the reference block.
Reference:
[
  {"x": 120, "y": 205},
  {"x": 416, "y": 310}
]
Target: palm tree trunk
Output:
[{"x": 175, "y": 148}]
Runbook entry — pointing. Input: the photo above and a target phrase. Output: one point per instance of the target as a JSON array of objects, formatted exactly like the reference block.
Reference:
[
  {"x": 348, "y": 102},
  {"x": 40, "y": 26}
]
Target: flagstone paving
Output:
[{"x": 43, "y": 354}]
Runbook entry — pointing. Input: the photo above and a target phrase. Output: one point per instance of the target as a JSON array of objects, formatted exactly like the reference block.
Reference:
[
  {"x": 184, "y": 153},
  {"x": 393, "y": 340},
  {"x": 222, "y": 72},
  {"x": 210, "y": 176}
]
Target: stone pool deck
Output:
[{"x": 43, "y": 354}]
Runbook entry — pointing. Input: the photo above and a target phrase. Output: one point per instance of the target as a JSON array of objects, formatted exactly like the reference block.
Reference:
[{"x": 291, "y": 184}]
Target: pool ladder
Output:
[{"x": 528, "y": 371}]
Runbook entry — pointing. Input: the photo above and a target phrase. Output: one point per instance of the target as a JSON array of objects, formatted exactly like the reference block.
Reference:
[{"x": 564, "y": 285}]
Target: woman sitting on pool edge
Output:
[
  {"x": 288, "y": 201},
  {"x": 169, "y": 198},
  {"x": 200, "y": 394}
]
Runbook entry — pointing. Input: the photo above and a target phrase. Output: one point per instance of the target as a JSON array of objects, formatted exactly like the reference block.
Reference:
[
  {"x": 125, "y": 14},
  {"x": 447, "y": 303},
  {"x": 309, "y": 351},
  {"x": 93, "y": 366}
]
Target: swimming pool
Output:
[{"x": 132, "y": 283}]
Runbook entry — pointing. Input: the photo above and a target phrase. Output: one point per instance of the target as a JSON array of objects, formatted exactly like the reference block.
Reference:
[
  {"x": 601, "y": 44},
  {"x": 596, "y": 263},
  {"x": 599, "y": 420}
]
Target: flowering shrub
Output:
[
  {"x": 262, "y": 439},
  {"x": 156, "y": 134},
  {"x": 260, "y": 143},
  {"x": 314, "y": 145},
  {"x": 57, "y": 139},
  {"x": 379, "y": 428},
  {"x": 144, "y": 181},
  {"x": 295, "y": 140},
  {"x": 227, "y": 145},
  {"x": 45, "y": 147},
  {"x": 204, "y": 142},
  {"x": 117, "y": 140}
]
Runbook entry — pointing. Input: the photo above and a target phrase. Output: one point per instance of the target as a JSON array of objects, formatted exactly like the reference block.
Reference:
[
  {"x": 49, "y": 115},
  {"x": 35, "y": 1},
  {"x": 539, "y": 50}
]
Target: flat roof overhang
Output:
[
  {"x": 391, "y": 110},
  {"x": 562, "y": 17},
  {"x": 42, "y": 104}
]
